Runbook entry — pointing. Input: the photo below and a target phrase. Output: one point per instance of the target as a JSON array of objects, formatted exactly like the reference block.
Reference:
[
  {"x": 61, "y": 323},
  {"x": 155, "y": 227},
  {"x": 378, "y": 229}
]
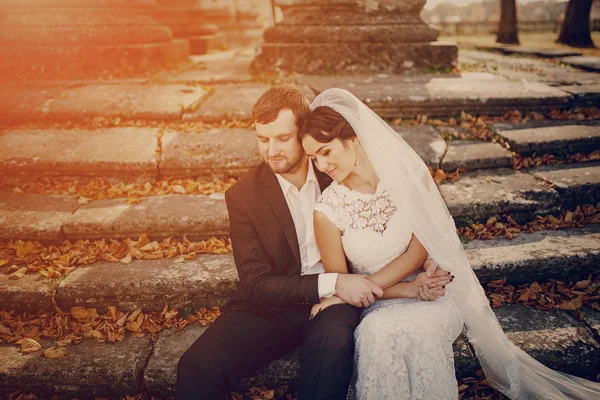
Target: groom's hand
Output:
[{"x": 356, "y": 290}]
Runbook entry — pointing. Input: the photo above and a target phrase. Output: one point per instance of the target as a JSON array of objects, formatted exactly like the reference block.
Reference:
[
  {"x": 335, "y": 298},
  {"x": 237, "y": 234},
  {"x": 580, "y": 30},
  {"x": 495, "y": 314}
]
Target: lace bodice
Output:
[{"x": 374, "y": 230}]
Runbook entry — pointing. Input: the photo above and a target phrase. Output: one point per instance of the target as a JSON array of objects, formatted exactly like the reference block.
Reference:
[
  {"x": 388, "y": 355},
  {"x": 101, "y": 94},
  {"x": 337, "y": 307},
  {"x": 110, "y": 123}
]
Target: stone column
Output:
[
  {"x": 352, "y": 36},
  {"x": 248, "y": 17},
  {"x": 188, "y": 21},
  {"x": 223, "y": 14},
  {"x": 83, "y": 38}
]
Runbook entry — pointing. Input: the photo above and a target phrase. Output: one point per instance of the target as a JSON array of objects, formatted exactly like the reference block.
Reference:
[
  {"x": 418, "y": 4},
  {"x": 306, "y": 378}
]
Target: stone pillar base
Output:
[
  {"x": 354, "y": 57},
  {"x": 83, "y": 62},
  {"x": 203, "y": 44},
  {"x": 75, "y": 39}
]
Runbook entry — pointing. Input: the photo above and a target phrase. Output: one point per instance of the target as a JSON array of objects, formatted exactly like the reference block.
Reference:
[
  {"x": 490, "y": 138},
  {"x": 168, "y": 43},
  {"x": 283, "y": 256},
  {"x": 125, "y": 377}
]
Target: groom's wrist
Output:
[{"x": 327, "y": 283}]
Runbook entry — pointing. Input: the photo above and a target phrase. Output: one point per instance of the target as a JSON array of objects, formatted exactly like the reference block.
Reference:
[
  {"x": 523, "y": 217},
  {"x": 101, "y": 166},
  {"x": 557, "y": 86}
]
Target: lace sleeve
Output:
[{"x": 331, "y": 204}]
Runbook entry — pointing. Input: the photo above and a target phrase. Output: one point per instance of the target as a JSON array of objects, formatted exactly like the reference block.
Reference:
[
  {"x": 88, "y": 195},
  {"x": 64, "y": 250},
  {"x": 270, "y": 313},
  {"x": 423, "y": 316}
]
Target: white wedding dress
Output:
[{"x": 403, "y": 346}]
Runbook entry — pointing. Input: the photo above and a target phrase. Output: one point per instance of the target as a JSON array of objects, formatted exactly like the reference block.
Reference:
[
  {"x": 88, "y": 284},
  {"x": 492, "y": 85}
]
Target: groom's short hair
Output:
[{"x": 267, "y": 107}]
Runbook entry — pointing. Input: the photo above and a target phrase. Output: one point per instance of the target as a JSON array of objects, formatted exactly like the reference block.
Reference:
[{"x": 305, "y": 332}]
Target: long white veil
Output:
[{"x": 407, "y": 179}]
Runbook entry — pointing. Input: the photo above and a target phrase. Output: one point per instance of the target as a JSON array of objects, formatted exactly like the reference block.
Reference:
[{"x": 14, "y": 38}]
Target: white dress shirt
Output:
[{"x": 301, "y": 204}]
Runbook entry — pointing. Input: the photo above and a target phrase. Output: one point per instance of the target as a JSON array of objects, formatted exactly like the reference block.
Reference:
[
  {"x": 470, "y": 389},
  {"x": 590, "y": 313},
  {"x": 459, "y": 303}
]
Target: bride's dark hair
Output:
[{"x": 325, "y": 124}]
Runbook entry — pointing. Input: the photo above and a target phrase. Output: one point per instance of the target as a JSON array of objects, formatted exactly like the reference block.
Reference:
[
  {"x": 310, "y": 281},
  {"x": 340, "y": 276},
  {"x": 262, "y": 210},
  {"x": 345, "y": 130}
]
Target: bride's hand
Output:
[
  {"x": 328, "y": 302},
  {"x": 433, "y": 279}
]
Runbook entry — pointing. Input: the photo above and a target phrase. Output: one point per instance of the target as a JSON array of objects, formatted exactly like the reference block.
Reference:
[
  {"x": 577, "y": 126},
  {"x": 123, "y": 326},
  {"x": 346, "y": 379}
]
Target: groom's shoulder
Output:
[{"x": 248, "y": 185}]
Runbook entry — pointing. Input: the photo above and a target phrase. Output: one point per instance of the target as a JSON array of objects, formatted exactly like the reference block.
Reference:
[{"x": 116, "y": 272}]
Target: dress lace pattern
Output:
[{"x": 403, "y": 346}]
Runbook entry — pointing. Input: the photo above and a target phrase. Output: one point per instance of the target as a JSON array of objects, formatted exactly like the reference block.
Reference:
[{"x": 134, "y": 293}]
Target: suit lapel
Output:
[{"x": 276, "y": 200}]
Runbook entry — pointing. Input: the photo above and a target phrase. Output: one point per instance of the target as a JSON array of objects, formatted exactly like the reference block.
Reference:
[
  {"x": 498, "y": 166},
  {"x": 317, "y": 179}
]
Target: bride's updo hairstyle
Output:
[{"x": 325, "y": 124}]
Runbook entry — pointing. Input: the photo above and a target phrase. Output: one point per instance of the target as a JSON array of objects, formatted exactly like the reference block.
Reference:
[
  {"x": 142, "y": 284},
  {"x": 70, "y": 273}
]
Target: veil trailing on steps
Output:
[{"x": 406, "y": 177}]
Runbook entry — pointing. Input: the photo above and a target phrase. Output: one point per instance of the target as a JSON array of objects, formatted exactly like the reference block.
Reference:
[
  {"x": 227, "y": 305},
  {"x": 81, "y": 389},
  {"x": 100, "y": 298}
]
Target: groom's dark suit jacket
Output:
[{"x": 265, "y": 245}]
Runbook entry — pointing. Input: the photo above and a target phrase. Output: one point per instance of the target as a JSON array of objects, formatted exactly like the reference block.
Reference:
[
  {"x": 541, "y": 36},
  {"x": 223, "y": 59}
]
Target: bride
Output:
[{"x": 383, "y": 205}]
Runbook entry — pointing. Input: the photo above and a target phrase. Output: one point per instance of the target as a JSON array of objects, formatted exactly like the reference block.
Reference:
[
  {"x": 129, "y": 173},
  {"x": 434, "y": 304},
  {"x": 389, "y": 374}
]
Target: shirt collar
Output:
[{"x": 310, "y": 177}]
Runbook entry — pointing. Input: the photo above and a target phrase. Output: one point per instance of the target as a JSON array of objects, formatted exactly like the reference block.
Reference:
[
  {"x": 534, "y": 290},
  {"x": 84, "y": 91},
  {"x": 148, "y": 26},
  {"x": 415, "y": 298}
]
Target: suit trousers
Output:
[{"x": 241, "y": 341}]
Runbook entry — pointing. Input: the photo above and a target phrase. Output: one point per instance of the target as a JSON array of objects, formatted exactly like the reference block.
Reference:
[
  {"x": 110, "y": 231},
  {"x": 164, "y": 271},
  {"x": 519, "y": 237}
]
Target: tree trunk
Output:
[
  {"x": 576, "y": 26},
  {"x": 507, "y": 29}
]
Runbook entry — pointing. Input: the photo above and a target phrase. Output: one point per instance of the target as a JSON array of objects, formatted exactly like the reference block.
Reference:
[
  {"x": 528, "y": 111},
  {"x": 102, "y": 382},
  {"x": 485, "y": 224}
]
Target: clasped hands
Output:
[{"x": 360, "y": 292}]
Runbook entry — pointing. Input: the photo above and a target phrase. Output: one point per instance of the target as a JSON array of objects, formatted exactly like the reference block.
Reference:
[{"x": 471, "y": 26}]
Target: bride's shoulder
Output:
[{"x": 331, "y": 193}]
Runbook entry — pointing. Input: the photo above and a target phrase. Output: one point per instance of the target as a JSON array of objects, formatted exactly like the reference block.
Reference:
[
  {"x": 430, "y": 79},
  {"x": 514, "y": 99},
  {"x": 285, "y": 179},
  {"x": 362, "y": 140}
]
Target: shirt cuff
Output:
[{"x": 327, "y": 283}]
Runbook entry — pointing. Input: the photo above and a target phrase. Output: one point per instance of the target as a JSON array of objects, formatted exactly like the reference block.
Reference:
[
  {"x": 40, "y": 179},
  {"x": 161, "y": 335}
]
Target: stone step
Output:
[
  {"x": 588, "y": 63},
  {"x": 388, "y": 95},
  {"x": 29, "y": 103},
  {"x": 471, "y": 155},
  {"x": 93, "y": 369},
  {"x": 443, "y": 95},
  {"x": 213, "y": 153},
  {"x": 574, "y": 182},
  {"x": 545, "y": 53},
  {"x": 526, "y": 68},
  {"x": 550, "y": 137},
  {"x": 482, "y": 194},
  {"x": 475, "y": 197},
  {"x": 209, "y": 279}
]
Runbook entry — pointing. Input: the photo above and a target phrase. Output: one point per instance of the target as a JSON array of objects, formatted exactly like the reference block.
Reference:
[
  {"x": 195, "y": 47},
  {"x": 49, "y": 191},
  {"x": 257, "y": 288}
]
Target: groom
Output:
[{"x": 281, "y": 274}]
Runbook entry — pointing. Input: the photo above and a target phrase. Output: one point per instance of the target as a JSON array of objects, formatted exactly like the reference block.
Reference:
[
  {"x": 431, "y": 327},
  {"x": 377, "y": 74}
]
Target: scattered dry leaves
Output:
[
  {"x": 510, "y": 229},
  {"x": 552, "y": 295},
  {"x": 477, "y": 387},
  {"x": 54, "y": 261},
  {"x": 101, "y": 189},
  {"x": 79, "y": 323},
  {"x": 122, "y": 120},
  {"x": 440, "y": 176}
]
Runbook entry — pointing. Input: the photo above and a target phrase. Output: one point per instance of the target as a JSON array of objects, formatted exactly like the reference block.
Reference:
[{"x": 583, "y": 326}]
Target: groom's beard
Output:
[{"x": 285, "y": 166}]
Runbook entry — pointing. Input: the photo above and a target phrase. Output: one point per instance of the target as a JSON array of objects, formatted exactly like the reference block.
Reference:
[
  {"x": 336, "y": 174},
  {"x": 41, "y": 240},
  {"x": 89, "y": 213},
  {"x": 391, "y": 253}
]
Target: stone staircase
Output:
[{"x": 170, "y": 126}]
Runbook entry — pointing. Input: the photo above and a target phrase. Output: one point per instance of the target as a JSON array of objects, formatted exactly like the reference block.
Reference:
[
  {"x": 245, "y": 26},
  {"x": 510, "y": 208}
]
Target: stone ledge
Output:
[
  {"x": 443, "y": 94},
  {"x": 89, "y": 369},
  {"x": 93, "y": 369},
  {"x": 210, "y": 279},
  {"x": 555, "y": 339},
  {"x": 206, "y": 281},
  {"x": 476, "y": 196},
  {"x": 558, "y": 254},
  {"x": 131, "y": 101},
  {"x": 215, "y": 153},
  {"x": 34, "y": 216},
  {"x": 474, "y": 155},
  {"x": 546, "y": 139},
  {"x": 479, "y": 195},
  {"x": 101, "y": 152},
  {"x": 196, "y": 216},
  {"x": 574, "y": 183}
]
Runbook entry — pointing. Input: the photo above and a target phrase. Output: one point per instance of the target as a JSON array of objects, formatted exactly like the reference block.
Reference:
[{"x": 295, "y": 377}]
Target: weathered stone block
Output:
[
  {"x": 537, "y": 256},
  {"x": 354, "y": 57},
  {"x": 234, "y": 101},
  {"x": 473, "y": 155},
  {"x": 554, "y": 338},
  {"x": 575, "y": 184},
  {"x": 486, "y": 193},
  {"x": 546, "y": 139},
  {"x": 28, "y": 294},
  {"x": 442, "y": 94},
  {"x": 107, "y": 152},
  {"x": 206, "y": 281},
  {"x": 81, "y": 38},
  {"x": 426, "y": 142},
  {"x": 588, "y": 63},
  {"x": 34, "y": 216},
  {"x": 161, "y": 373},
  {"x": 89, "y": 369},
  {"x": 214, "y": 153},
  {"x": 196, "y": 216},
  {"x": 229, "y": 102},
  {"x": 166, "y": 102}
]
